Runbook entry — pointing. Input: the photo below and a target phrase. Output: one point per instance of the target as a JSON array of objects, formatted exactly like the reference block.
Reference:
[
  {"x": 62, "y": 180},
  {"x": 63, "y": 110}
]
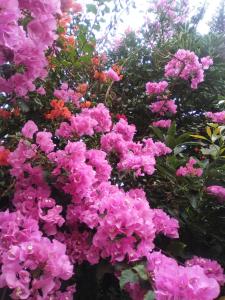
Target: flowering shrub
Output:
[{"x": 75, "y": 172}]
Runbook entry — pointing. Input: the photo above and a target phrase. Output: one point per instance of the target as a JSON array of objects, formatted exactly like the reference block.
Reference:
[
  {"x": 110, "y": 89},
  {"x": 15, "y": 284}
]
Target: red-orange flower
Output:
[
  {"x": 5, "y": 114},
  {"x": 4, "y": 155},
  {"x": 59, "y": 110},
  {"x": 118, "y": 70},
  {"x": 95, "y": 61},
  {"x": 86, "y": 104},
  {"x": 101, "y": 76}
]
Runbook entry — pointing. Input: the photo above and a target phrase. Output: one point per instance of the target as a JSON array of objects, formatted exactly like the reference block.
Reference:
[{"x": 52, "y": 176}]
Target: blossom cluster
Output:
[
  {"x": 162, "y": 105},
  {"x": 30, "y": 262},
  {"x": 189, "y": 169},
  {"x": 193, "y": 281},
  {"x": 185, "y": 64},
  {"x": 88, "y": 122},
  {"x": 217, "y": 191},
  {"x": 139, "y": 157},
  {"x": 217, "y": 117},
  {"x": 156, "y": 87},
  {"x": 23, "y": 47},
  {"x": 68, "y": 95},
  {"x": 37, "y": 253}
]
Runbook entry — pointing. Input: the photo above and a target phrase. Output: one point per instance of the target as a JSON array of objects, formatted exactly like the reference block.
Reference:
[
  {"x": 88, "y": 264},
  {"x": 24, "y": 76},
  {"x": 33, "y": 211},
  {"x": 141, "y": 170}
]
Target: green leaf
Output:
[
  {"x": 91, "y": 8},
  {"x": 197, "y": 136},
  {"x": 127, "y": 276},
  {"x": 208, "y": 130},
  {"x": 141, "y": 271},
  {"x": 157, "y": 132},
  {"x": 149, "y": 296}
]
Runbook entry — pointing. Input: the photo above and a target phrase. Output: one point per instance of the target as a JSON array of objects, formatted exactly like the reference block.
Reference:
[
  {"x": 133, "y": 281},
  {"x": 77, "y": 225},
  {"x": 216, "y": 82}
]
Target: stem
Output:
[{"x": 108, "y": 91}]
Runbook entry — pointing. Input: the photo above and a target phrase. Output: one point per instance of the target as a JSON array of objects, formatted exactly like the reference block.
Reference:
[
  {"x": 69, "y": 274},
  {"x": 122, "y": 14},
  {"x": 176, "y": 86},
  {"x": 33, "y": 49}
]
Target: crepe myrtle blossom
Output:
[
  {"x": 189, "y": 169},
  {"x": 211, "y": 268},
  {"x": 173, "y": 281},
  {"x": 217, "y": 117},
  {"x": 162, "y": 123},
  {"x": 111, "y": 74},
  {"x": 29, "y": 129},
  {"x": 163, "y": 106},
  {"x": 185, "y": 64},
  {"x": 217, "y": 191},
  {"x": 26, "y": 49},
  {"x": 156, "y": 88}
]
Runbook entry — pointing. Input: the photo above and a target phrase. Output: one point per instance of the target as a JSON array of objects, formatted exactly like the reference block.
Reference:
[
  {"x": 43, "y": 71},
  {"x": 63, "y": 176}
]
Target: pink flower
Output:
[
  {"x": 44, "y": 140},
  {"x": 189, "y": 169},
  {"x": 111, "y": 74},
  {"x": 41, "y": 91},
  {"x": 162, "y": 123},
  {"x": 211, "y": 268},
  {"x": 206, "y": 62},
  {"x": 217, "y": 191},
  {"x": 156, "y": 88},
  {"x": 185, "y": 65},
  {"x": 164, "y": 106},
  {"x": 29, "y": 129},
  {"x": 217, "y": 117},
  {"x": 172, "y": 281},
  {"x": 165, "y": 224}
]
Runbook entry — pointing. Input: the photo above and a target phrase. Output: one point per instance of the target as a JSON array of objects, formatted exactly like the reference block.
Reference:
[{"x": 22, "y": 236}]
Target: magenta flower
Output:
[
  {"x": 29, "y": 129},
  {"x": 217, "y": 191},
  {"x": 162, "y": 123},
  {"x": 111, "y": 74}
]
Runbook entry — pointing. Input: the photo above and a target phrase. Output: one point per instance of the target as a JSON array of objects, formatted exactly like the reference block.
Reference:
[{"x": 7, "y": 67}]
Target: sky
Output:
[{"x": 135, "y": 17}]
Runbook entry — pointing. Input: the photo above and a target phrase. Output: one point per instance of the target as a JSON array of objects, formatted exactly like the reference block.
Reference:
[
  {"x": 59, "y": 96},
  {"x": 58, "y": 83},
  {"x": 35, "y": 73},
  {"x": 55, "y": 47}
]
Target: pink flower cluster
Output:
[
  {"x": 23, "y": 48},
  {"x": 172, "y": 281},
  {"x": 185, "y": 65},
  {"x": 138, "y": 157},
  {"x": 156, "y": 88},
  {"x": 30, "y": 263},
  {"x": 162, "y": 123},
  {"x": 45, "y": 236},
  {"x": 217, "y": 191},
  {"x": 115, "y": 235},
  {"x": 174, "y": 11},
  {"x": 70, "y": 4},
  {"x": 88, "y": 122},
  {"x": 111, "y": 74},
  {"x": 218, "y": 117},
  {"x": 66, "y": 94},
  {"x": 164, "y": 106},
  {"x": 189, "y": 169},
  {"x": 211, "y": 268}
]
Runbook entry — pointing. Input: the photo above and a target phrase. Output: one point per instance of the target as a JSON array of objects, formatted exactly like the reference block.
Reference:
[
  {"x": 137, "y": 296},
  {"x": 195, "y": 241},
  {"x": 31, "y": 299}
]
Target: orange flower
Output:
[
  {"x": 82, "y": 88},
  {"x": 70, "y": 40},
  {"x": 16, "y": 111},
  {"x": 101, "y": 76},
  {"x": 4, "y": 155},
  {"x": 95, "y": 61},
  {"x": 117, "y": 68},
  {"x": 86, "y": 104},
  {"x": 59, "y": 110}
]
